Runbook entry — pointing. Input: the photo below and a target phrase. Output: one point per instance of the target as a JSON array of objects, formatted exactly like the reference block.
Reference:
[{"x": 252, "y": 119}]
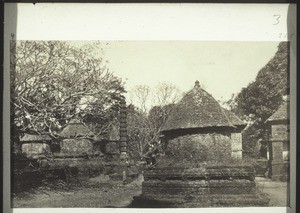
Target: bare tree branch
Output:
[{"x": 49, "y": 80}]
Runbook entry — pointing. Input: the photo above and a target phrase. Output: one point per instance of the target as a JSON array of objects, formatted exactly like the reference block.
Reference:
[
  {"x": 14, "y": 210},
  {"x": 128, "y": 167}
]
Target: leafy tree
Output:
[
  {"x": 53, "y": 82},
  {"x": 261, "y": 98}
]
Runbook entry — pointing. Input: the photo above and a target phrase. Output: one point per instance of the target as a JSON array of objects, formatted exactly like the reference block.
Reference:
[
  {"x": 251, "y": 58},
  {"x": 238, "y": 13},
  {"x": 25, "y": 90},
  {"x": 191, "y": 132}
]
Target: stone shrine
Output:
[
  {"x": 76, "y": 138},
  {"x": 199, "y": 169},
  {"x": 34, "y": 145},
  {"x": 278, "y": 144}
]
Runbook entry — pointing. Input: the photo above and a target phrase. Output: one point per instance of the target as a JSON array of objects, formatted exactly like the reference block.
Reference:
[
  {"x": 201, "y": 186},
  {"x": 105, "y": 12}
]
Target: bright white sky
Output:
[
  {"x": 223, "y": 68},
  {"x": 174, "y": 56}
]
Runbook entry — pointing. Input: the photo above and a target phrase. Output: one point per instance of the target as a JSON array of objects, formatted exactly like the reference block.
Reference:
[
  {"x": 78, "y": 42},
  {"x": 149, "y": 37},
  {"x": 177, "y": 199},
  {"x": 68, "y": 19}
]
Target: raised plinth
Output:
[
  {"x": 199, "y": 187},
  {"x": 279, "y": 170}
]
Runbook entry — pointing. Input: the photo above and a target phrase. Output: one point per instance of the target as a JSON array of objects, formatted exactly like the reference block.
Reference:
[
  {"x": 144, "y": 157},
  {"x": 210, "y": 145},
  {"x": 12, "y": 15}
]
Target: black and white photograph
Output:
[
  {"x": 149, "y": 123},
  {"x": 170, "y": 124}
]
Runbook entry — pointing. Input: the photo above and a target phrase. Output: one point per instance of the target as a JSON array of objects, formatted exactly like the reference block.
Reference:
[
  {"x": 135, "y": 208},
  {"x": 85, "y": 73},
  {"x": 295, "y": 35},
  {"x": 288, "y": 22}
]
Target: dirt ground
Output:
[
  {"x": 277, "y": 191},
  {"x": 108, "y": 195},
  {"x": 103, "y": 193}
]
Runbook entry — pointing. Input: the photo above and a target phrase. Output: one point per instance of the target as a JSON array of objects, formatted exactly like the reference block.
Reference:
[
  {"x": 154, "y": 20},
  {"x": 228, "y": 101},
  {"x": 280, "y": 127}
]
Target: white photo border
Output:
[{"x": 156, "y": 21}]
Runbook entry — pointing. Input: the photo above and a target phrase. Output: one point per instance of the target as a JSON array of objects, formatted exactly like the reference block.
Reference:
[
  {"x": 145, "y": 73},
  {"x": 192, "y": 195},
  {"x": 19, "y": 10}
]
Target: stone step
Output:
[
  {"x": 199, "y": 183},
  {"x": 201, "y": 201},
  {"x": 198, "y": 176}
]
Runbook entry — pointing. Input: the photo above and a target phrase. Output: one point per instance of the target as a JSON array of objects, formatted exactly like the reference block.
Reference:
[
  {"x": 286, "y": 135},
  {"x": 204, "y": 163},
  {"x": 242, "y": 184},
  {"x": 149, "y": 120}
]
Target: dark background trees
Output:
[{"x": 262, "y": 97}]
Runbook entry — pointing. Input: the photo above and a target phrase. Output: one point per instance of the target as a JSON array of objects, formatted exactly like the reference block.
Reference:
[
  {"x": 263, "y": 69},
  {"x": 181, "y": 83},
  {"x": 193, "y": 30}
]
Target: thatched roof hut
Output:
[
  {"x": 279, "y": 143},
  {"x": 198, "y": 109},
  {"x": 236, "y": 121},
  {"x": 198, "y": 124},
  {"x": 200, "y": 139},
  {"x": 280, "y": 115},
  {"x": 76, "y": 129}
]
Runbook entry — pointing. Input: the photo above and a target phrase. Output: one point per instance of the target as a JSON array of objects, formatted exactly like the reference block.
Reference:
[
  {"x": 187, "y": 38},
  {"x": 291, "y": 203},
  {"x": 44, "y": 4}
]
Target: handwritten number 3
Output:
[{"x": 277, "y": 19}]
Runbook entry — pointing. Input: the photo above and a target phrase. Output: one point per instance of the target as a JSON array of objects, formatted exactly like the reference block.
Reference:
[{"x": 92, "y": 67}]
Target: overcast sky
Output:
[{"x": 223, "y": 68}]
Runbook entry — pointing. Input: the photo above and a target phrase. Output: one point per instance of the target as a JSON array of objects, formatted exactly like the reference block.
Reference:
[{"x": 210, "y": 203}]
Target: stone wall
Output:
[
  {"x": 236, "y": 145},
  {"x": 199, "y": 147},
  {"x": 112, "y": 147},
  {"x": 35, "y": 148},
  {"x": 279, "y": 170},
  {"x": 76, "y": 146},
  {"x": 200, "y": 187},
  {"x": 279, "y": 152},
  {"x": 280, "y": 131}
]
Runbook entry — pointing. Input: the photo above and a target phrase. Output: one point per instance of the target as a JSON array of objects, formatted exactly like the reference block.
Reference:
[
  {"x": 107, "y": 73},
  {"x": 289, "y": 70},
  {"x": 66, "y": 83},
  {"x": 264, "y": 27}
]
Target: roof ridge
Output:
[{"x": 199, "y": 109}]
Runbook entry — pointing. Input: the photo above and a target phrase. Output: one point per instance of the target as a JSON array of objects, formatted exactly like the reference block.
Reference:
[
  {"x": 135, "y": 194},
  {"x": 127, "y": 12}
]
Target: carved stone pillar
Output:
[{"x": 123, "y": 129}]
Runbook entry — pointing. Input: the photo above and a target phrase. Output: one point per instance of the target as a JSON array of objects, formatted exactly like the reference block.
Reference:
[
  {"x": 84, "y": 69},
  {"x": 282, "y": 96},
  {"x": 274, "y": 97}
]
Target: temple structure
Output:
[
  {"x": 76, "y": 138},
  {"x": 199, "y": 120},
  {"x": 34, "y": 145},
  {"x": 201, "y": 140},
  {"x": 123, "y": 129},
  {"x": 278, "y": 144}
]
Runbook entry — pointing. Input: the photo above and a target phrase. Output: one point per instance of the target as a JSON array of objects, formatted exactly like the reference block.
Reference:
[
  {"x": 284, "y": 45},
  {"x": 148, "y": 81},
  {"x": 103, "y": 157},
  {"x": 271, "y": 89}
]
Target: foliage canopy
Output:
[
  {"x": 53, "y": 82},
  {"x": 262, "y": 97}
]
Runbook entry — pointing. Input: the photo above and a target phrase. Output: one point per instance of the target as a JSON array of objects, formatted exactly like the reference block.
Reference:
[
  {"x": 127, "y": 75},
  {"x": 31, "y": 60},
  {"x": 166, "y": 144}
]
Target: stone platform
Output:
[{"x": 200, "y": 187}]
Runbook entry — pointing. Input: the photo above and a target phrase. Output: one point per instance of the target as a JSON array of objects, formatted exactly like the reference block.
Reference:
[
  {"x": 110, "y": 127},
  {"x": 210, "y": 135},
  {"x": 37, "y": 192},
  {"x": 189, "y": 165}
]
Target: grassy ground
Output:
[{"x": 101, "y": 192}]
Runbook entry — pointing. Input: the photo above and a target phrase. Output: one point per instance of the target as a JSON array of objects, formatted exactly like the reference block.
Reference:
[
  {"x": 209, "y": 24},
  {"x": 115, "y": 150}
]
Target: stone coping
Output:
[
  {"x": 279, "y": 140},
  {"x": 200, "y": 173}
]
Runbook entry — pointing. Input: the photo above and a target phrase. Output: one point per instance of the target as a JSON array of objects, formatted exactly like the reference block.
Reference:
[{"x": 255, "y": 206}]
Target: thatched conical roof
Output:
[
  {"x": 198, "y": 109},
  {"x": 75, "y": 129},
  {"x": 281, "y": 114},
  {"x": 235, "y": 120}
]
